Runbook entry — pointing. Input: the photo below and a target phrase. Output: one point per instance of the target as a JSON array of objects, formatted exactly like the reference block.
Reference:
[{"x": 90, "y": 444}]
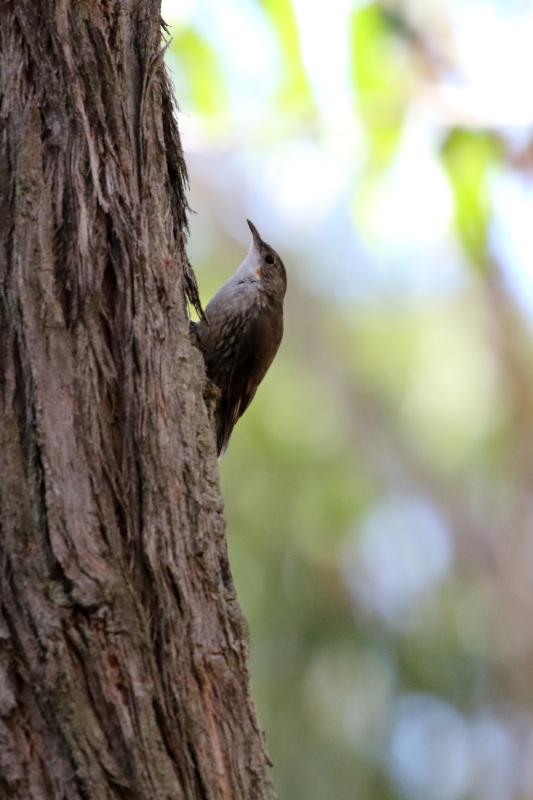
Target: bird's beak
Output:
[{"x": 255, "y": 233}]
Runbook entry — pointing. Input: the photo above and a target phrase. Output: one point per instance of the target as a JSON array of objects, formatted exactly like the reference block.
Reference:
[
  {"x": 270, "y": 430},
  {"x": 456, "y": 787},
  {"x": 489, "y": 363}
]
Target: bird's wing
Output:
[
  {"x": 237, "y": 385},
  {"x": 253, "y": 354},
  {"x": 224, "y": 341}
]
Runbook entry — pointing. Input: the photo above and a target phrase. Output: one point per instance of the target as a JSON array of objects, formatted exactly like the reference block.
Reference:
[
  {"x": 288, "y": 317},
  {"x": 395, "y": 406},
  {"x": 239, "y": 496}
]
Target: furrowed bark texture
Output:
[{"x": 123, "y": 656}]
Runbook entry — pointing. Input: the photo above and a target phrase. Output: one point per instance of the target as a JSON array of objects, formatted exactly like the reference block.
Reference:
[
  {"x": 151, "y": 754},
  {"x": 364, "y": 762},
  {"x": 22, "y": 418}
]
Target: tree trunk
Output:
[{"x": 123, "y": 654}]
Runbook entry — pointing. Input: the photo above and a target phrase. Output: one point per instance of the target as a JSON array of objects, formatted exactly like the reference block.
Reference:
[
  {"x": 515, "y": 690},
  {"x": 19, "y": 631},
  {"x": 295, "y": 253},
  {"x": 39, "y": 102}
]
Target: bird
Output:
[{"x": 241, "y": 331}]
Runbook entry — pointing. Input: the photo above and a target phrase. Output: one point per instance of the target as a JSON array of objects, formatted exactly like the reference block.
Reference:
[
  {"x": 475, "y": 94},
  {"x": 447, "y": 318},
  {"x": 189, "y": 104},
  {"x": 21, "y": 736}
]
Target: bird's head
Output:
[{"x": 263, "y": 264}]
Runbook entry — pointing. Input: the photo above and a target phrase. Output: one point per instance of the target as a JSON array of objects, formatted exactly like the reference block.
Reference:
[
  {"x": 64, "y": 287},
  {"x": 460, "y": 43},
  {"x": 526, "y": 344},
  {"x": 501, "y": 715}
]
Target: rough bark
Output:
[{"x": 123, "y": 655}]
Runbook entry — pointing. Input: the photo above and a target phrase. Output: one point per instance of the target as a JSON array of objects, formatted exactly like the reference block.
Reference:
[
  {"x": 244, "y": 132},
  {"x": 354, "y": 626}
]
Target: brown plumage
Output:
[{"x": 242, "y": 331}]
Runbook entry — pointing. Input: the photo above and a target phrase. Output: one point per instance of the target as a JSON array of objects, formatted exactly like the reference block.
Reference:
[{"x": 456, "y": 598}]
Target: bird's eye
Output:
[{"x": 269, "y": 259}]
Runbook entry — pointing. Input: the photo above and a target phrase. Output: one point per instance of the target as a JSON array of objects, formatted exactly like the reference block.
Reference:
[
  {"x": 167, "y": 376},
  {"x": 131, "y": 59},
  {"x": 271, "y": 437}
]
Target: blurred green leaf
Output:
[
  {"x": 202, "y": 71},
  {"x": 295, "y": 93},
  {"x": 469, "y": 157},
  {"x": 382, "y": 77}
]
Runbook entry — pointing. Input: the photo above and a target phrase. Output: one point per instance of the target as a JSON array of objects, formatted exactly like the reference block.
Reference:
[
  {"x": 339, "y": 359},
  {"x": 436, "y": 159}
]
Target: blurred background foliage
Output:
[{"x": 378, "y": 491}]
